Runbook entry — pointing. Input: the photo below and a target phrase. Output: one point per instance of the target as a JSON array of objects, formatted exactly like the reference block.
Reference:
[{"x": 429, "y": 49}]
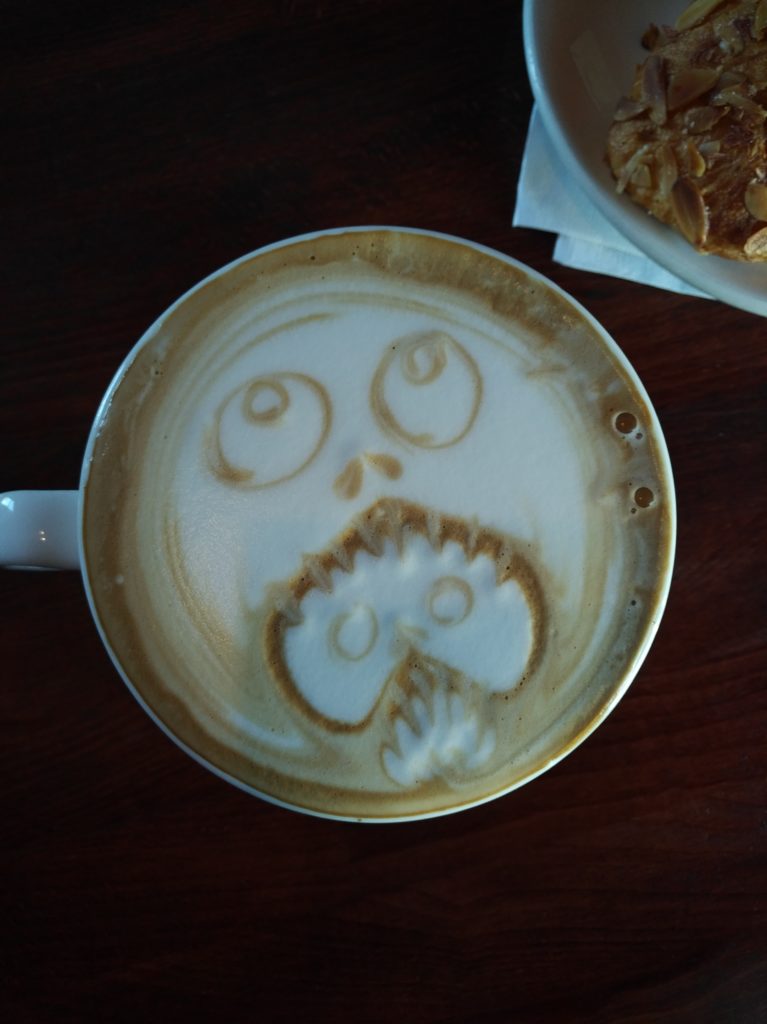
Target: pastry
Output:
[{"x": 688, "y": 141}]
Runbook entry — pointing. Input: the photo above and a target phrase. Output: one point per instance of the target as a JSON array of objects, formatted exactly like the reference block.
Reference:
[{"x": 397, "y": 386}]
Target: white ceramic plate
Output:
[{"x": 580, "y": 57}]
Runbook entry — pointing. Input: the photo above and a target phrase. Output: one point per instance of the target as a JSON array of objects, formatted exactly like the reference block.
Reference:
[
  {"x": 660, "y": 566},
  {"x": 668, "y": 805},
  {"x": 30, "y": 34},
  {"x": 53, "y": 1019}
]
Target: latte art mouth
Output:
[{"x": 410, "y": 616}]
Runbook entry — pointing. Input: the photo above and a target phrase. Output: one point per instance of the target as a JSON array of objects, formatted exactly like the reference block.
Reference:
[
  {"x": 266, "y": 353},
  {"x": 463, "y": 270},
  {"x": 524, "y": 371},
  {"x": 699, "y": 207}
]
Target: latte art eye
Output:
[
  {"x": 424, "y": 360},
  {"x": 265, "y": 401},
  {"x": 427, "y": 390},
  {"x": 450, "y": 601},
  {"x": 268, "y": 430},
  {"x": 353, "y": 635}
]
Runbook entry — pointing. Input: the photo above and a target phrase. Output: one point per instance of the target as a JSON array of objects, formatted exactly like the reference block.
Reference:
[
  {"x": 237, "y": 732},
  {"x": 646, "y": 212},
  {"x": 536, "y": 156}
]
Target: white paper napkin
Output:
[{"x": 585, "y": 240}]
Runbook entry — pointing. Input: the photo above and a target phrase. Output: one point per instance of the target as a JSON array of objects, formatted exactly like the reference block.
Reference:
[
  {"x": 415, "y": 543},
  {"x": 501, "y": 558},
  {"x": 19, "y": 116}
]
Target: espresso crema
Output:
[{"x": 378, "y": 523}]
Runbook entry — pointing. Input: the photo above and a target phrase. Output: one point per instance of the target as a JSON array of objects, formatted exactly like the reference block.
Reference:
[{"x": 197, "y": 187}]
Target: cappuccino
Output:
[{"x": 377, "y": 523}]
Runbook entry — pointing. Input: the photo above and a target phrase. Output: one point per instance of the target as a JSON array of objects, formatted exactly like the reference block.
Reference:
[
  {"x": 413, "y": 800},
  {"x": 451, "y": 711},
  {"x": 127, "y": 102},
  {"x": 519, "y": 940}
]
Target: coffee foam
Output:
[{"x": 389, "y": 519}]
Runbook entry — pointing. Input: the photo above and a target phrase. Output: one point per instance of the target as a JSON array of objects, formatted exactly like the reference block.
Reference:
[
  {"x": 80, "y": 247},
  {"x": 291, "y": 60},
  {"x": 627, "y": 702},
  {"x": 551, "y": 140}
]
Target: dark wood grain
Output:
[{"x": 144, "y": 145}]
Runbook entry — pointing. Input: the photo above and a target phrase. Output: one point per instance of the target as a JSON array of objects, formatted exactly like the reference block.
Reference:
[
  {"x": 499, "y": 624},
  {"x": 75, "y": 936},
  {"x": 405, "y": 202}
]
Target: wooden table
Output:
[{"x": 145, "y": 144}]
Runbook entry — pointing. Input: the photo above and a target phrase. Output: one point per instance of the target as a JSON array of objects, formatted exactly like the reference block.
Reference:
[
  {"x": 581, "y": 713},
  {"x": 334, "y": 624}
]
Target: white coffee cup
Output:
[{"x": 376, "y": 524}]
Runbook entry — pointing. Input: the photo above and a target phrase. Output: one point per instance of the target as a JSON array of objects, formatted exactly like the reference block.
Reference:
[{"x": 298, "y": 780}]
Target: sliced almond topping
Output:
[
  {"x": 734, "y": 97},
  {"x": 730, "y": 77},
  {"x": 642, "y": 176},
  {"x": 731, "y": 41},
  {"x": 756, "y": 245},
  {"x": 697, "y": 12},
  {"x": 628, "y": 108},
  {"x": 654, "y": 88},
  {"x": 700, "y": 119},
  {"x": 658, "y": 35},
  {"x": 689, "y": 211},
  {"x": 760, "y": 19},
  {"x": 668, "y": 171},
  {"x": 755, "y": 200},
  {"x": 688, "y": 84},
  {"x": 627, "y": 172},
  {"x": 695, "y": 161},
  {"x": 724, "y": 94},
  {"x": 709, "y": 148},
  {"x": 651, "y": 36}
]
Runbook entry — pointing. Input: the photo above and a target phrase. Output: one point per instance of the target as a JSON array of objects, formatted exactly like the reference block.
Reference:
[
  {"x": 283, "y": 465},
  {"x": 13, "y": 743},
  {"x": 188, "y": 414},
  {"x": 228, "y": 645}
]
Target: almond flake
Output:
[
  {"x": 760, "y": 19},
  {"x": 658, "y": 35},
  {"x": 651, "y": 36},
  {"x": 628, "y": 108},
  {"x": 654, "y": 88},
  {"x": 700, "y": 119},
  {"x": 755, "y": 200},
  {"x": 642, "y": 177},
  {"x": 734, "y": 97},
  {"x": 668, "y": 171},
  {"x": 730, "y": 77},
  {"x": 688, "y": 84},
  {"x": 627, "y": 173},
  {"x": 731, "y": 41},
  {"x": 756, "y": 245},
  {"x": 709, "y": 148},
  {"x": 695, "y": 161},
  {"x": 689, "y": 211},
  {"x": 697, "y": 12}
]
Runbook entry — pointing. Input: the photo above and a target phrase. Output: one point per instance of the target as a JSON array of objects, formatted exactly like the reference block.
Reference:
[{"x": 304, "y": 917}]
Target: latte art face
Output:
[{"x": 377, "y": 523}]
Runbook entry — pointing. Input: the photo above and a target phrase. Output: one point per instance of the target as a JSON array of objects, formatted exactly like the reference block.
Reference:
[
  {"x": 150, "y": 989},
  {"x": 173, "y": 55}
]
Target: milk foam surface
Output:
[{"x": 376, "y": 523}]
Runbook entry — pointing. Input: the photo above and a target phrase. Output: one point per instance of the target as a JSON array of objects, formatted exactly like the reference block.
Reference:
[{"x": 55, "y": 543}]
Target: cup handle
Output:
[{"x": 38, "y": 530}]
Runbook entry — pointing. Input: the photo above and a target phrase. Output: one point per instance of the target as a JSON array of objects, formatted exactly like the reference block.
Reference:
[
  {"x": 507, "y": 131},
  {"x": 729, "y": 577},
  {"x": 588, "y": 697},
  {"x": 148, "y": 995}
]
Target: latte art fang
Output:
[{"x": 378, "y": 523}]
